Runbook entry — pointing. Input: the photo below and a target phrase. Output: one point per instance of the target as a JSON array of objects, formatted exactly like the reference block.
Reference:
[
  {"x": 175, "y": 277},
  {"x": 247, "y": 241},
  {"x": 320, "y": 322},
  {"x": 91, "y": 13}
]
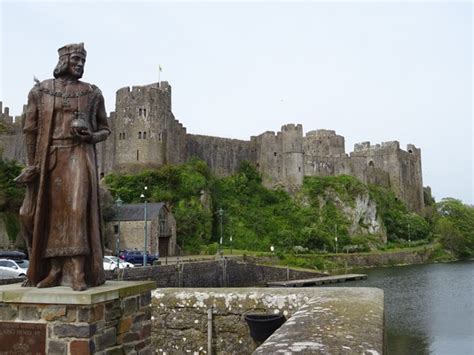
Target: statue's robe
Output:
[{"x": 61, "y": 213}]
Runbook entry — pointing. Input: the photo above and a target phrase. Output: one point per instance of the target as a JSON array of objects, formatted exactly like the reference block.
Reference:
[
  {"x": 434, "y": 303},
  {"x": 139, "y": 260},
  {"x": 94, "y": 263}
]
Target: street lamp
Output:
[
  {"x": 146, "y": 229},
  {"x": 118, "y": 203},
  {"x": 220, "y": 213}
]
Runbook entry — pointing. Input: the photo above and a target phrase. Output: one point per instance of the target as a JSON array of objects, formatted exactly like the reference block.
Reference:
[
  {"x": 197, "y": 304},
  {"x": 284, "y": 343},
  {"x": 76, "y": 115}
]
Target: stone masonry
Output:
[
  {"x": 110, "y": 319},
  {"x": 146, "y": 134},
  {"x": 319, "y": 320}
]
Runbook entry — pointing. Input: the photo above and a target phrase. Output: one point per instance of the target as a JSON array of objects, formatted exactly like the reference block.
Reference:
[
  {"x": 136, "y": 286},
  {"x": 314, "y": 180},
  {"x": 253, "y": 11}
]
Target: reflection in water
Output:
[{"x": 428, "y": 308}]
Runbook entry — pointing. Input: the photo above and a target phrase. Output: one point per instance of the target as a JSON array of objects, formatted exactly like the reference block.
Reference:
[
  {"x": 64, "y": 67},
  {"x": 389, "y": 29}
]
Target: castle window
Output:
[
  {"x": 101, "y": 175},
  {"x": 139, "y": 112},
  {"x": 116, "y": 229},
  {"x": 159, "y": 136},
  {"x": 274, "y": 154},
  {"x": 138, "y": 155},
  {"x": 144, "y": 135},
  {"x": 139, "y": 136},
  {"x": 123, "y": 135},
  {"x": 120, "y": 136},
  {"x": 299, "y": 168},
  {"x": 371, "y": 163},
  {"x": 144, "y": 112},
  {"x": 410, "y": 151}
]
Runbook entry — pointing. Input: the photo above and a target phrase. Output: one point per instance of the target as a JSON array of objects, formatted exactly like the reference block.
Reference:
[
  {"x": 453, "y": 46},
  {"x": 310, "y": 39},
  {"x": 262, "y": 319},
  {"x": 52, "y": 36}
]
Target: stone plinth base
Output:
[{"x": 110, "y": 319}]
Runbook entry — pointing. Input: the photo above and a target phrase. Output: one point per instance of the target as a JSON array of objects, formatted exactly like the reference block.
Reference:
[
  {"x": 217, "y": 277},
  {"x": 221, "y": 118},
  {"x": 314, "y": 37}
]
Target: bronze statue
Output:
[{"x": 60, "y": 215}]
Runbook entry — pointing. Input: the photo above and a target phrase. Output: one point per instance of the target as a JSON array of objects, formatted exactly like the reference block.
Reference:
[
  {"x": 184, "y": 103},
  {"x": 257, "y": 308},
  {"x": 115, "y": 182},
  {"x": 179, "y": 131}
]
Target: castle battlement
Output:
[
  {"x": 5, "y": 114},
  {"x": 366, "y": 147},
  {"x": 321, "y": 133},
  {"x": 292, "y": 127},
  {"x": 146, "y": 134}
]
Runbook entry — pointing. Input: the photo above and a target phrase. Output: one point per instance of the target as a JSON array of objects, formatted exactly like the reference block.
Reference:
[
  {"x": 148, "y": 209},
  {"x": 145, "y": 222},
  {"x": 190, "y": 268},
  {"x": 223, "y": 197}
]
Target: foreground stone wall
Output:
[
  {"x": 319, "y": 320},
  {"x": 215, "y": 273}
]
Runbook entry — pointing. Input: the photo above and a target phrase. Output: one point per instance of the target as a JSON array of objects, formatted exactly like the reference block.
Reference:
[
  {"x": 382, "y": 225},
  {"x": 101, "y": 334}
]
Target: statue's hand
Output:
[
  {"x": 84, "y": 134},
  {"x": 28, "y": 175}
]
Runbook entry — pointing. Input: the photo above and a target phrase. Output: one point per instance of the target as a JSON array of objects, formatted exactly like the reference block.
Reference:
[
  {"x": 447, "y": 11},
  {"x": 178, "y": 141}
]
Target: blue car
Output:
[{"x": 136, "y": 257}]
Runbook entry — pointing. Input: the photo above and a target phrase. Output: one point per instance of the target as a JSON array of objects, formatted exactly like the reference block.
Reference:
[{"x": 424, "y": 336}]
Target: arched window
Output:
[
  {"x": 144, "y": 112},
  {"x": 139, "y": 136},
  {"x": 139, "y": 112},
  {"x": 371, "y": 163},
  {"x": 144, "y": 135}
]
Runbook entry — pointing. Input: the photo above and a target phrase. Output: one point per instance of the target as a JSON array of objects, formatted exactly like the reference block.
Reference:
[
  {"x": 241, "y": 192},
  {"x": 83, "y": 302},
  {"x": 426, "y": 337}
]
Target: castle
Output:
[{"x": 145, "y": 134}]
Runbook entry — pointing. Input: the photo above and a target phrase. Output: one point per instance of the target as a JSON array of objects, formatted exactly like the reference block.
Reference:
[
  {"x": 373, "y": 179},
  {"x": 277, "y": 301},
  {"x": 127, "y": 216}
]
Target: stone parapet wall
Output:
[
  {"x": 319, "y": 320},
  {"x": 215, "y": 273}
]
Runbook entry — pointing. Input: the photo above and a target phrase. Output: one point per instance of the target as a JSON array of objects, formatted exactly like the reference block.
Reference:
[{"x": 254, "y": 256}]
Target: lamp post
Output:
[
  {"x": 220, "y": 212},
  {"x": 146, "y": 230},
  {"x": 118, "y": 203}
]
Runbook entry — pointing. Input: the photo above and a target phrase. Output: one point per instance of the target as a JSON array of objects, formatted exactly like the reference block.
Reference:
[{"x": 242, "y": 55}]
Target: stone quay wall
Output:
[
  {"x": 319, "y": 320},
  {"x": 109, "y": 319},
  {"x": 214, "y": 273}
]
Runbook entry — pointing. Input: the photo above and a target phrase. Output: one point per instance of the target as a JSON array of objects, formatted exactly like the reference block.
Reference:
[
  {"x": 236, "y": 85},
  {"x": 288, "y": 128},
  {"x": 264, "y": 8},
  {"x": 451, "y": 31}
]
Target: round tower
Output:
[
  {"x": 291, "y": 138},
  {"x": 139, "y": 124}
]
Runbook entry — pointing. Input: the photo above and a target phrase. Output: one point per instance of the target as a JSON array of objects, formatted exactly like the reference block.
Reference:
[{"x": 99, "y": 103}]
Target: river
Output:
[{"x": 429, "y": 309}]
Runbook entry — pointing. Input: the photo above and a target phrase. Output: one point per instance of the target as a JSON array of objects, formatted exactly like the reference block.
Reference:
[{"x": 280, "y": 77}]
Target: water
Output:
[{"x": 429, "y": 309}]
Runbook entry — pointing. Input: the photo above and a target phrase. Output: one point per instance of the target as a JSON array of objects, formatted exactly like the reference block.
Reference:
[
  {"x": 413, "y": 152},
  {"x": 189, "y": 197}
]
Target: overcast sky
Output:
[{"x": 372, "y": 71}]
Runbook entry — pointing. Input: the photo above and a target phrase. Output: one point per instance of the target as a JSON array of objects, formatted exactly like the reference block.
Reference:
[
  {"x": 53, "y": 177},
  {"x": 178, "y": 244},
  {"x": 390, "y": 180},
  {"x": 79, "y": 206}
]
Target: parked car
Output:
[
  {"x": 112, "y": 263},
  {"x": 9, "y": 273},
  {"x": 20, "y": 266},
  {"x": 136, "y": 257},
  {"x": 12, "y": 255}
]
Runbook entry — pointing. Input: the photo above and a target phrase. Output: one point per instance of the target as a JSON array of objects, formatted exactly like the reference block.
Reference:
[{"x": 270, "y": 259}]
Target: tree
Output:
[{"x": 455, "y": 227}]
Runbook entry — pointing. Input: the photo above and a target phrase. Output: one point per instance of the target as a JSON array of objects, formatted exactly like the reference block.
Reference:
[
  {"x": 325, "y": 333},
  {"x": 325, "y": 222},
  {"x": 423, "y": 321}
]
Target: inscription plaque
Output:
[{"x": 22, "y": 338}]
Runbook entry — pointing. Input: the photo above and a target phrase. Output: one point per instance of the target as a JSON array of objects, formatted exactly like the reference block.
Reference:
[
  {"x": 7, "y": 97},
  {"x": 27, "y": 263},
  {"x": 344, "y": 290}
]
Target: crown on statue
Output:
[{"x": 72, "y": 48}]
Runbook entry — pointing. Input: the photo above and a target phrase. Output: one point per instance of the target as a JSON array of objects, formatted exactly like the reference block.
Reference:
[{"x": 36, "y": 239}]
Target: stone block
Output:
[
  {"x": 129, "y": 337},
  {"x": 8, "y": 312},
  {"x": 146, "y": 330},
  {"x": 130, "y": 305},
  {"x": 145, "y": 299},
  {"x": 71, "y": 314},
  {"x": 53, "y": 312},
  {"x": 107, "y": 339},
  {"x": 124, "y": 325},
  {"x": 29, "y": 312},
  {"x": 98, "y": 312},
  {"x": 57, "y": 347},
  {"x": 83, "y": 314},
  {"x": 116, "y": 350},
  {"x": 81, "y": 347},
  {"x": 63, "y": 330}
]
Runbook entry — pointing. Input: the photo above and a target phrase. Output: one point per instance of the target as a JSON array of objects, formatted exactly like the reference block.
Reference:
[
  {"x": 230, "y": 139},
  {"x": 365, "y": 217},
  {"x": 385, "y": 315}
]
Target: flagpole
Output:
[{"x": 159, "y": 72}]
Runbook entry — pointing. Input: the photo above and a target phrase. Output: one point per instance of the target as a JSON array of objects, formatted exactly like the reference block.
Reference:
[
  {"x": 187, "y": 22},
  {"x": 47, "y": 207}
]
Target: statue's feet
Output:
[
  {"x": 78, "y": 283},
  {"x": 27, "y": 283},
  {"x": 50, "y": 281}
]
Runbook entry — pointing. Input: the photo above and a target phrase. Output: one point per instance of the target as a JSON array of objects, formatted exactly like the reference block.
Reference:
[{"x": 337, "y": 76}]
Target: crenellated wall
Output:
[
  {"x": 223, "y": 155},
  {"x": 146, "y": 134}
]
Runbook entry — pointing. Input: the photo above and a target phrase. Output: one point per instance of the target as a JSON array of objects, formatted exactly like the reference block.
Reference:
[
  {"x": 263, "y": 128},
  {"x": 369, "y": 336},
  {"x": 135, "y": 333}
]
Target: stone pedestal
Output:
[{"x": 110, "y": 319}]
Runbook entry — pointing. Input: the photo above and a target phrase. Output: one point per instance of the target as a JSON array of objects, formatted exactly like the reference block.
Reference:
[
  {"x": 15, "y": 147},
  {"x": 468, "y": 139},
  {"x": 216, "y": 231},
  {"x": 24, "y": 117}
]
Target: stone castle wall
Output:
[
  {"x": 223, "y": 155},
  {"x": 145, "y": 134}
]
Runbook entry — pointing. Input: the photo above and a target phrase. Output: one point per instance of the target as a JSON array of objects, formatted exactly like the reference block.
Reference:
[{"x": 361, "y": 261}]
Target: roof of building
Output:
[{"x": 136, "y": 211}]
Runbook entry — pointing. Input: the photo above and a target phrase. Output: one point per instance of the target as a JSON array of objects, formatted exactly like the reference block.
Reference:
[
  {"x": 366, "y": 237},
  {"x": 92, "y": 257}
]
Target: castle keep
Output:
[{"x": 145, "y": 134}]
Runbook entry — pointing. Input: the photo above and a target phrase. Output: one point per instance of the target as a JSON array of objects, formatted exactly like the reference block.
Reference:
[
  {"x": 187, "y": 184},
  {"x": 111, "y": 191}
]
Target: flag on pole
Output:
[{"x": 159, "y": 67}]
